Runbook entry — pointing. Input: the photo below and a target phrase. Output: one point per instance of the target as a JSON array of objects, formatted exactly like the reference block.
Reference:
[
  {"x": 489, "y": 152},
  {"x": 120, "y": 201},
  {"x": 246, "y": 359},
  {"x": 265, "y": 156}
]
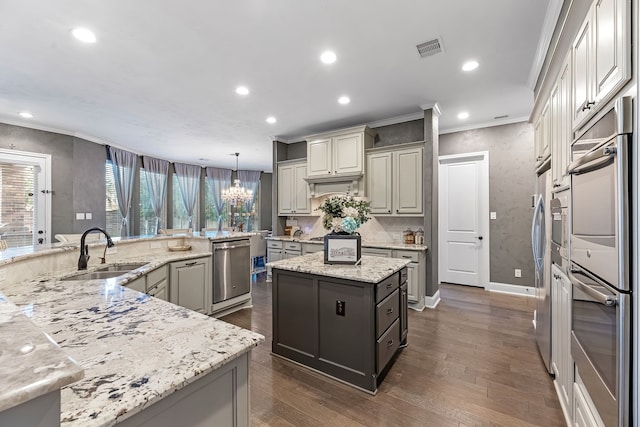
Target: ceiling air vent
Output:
[{"x": 430, "y": 48}]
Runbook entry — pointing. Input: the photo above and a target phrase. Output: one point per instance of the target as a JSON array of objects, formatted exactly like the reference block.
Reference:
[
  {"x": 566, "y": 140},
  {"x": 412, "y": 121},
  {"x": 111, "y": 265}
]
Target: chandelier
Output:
[{"x": 236, "y": 193}]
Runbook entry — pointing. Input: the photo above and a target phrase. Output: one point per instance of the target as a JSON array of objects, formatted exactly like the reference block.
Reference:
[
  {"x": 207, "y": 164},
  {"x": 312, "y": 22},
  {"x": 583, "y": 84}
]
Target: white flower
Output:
[
  {"x": 352, "y": 212},
  {"x": 336, "y": 224}
]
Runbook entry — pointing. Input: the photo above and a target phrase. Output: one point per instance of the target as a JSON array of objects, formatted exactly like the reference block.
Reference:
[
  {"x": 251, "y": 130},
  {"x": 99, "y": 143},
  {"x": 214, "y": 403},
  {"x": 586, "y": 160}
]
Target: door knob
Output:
[{"x": 479, "y": 237}]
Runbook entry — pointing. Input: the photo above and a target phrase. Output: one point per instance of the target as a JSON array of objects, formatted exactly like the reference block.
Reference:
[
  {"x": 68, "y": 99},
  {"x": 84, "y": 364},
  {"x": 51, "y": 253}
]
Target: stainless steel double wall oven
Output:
[{"x": 599, "y": 261}]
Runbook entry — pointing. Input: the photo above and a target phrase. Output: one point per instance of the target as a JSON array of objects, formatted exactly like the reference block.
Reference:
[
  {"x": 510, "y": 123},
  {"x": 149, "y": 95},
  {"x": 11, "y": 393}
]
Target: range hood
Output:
[{"x": 341, "y": 183}]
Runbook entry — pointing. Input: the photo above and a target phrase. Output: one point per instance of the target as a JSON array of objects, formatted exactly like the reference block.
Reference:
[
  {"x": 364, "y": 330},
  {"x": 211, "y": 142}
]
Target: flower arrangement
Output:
[{"x": 344, "y": 213}]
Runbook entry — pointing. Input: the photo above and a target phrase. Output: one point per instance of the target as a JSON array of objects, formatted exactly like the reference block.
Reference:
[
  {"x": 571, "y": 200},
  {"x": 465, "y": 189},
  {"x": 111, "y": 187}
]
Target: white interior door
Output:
[
  {"x": 464, "y": 219},
  {"x": 25, "y": 198}
]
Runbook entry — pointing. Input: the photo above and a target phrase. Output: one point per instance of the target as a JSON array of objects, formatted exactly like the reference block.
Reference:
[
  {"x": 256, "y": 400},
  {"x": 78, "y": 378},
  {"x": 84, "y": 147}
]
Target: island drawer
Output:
[
  {"x": 156, "y": 276},
  {"x": 387, "y": 286},
  {"x": 275, "y": 244},
  {"x": 412, "y": 255},
  {"x": 294, "y": 246},
  {"x": 387, "y": 345},
  {"x": 386, "y": 312}
]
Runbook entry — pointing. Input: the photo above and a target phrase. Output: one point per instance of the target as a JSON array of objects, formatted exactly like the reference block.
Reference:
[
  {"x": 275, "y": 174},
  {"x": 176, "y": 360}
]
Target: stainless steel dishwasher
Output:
[{"x": 231, "y": 269}]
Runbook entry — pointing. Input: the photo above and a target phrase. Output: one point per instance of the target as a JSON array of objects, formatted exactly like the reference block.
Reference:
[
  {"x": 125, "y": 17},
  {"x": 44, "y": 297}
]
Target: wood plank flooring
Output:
[{"x": 472, "y": 361}]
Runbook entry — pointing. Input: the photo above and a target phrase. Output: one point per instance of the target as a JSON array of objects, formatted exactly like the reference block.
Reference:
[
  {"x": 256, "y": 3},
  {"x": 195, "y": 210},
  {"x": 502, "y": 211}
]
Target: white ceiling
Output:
[{"x": 161, "y": 78}]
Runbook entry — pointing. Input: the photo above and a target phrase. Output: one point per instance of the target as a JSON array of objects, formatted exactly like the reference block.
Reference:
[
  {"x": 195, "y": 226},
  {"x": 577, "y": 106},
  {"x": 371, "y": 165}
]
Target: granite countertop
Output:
[
  {"x": 26, "y": 252},
  {"x": 31, "y": 364},
  {"x": 365, "y": 244},
  {"x": 134, "y": 349},
  {"x": 372, "y": 269}
]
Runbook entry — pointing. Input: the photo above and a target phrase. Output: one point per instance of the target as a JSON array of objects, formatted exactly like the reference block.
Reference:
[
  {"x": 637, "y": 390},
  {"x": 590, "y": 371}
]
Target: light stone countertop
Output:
[
  {"x": 31, "y": 364},
  {"x": 372, "y": 269},
  {"x": 365, "y": 244},
  {"x": 27, "y": 252},
  {"x": 134, "y": 349}
]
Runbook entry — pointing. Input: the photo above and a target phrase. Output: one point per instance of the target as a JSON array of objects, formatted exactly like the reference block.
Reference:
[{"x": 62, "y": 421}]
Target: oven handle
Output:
[
  {"x": 603, "y": 299},
  {"x": 593, "y": 160}
]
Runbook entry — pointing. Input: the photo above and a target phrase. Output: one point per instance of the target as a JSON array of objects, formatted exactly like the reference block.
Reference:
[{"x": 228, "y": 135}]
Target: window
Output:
[
  {"x": 210, "y": 213},
  {"x": 114, "y": 217},
  {"x": 180, "y": 216},
  {"x": 147, "y": 216}
]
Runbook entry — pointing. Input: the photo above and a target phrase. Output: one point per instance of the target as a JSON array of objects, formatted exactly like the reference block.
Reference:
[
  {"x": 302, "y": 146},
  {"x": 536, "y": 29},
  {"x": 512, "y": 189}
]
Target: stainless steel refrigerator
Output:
[{"x": 541, "y": 246}]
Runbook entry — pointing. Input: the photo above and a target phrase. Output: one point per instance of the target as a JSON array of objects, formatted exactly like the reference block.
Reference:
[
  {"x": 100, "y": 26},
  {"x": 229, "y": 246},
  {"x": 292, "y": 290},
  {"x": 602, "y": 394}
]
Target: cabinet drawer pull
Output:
[
  {"x": 389, "y": 285},
  {"x": 390, "y": 310},
  {"x": 407, "y": 256},
  {"x": 389, "y": 343},
  {"x": 192, "y": 263}
]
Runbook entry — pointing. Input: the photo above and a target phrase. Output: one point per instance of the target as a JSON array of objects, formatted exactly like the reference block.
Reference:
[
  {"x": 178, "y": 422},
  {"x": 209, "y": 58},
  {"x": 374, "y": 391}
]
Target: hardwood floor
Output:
[{"x": 472, "y": 361}]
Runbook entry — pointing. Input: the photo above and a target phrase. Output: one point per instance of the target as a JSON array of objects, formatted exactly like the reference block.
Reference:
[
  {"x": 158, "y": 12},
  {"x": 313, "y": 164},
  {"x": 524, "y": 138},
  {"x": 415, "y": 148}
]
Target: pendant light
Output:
[{"x": 236, "y": 193}]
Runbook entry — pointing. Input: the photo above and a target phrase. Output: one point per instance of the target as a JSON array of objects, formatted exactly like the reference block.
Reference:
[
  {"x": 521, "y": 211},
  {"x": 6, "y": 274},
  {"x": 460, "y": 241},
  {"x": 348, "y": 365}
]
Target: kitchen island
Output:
[
  {"x": 145, "y": 361},
  {"x": 344, "y": 321}
]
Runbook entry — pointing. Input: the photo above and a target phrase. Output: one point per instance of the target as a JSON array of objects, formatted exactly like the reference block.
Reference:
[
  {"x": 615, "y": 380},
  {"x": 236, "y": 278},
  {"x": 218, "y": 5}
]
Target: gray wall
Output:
[
  {"x": 77, "y": 181},
  {"x": 399, "y": 133},
  {"x": 266, "y": 201},
  {"x": 511, "y": 184}
]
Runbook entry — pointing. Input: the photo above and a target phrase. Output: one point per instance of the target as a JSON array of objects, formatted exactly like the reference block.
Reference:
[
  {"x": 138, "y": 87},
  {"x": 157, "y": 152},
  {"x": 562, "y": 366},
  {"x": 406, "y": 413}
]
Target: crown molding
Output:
[
  {"x": 433, "y": 105},
  {"x": 550, "y": 20},
  {"x": 492, "y": 123},
  {"x": 397, "y": 119}
]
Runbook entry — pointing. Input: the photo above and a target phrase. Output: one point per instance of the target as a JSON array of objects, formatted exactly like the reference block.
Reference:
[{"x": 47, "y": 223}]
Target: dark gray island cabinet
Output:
[{"x": 344, "y": 321}]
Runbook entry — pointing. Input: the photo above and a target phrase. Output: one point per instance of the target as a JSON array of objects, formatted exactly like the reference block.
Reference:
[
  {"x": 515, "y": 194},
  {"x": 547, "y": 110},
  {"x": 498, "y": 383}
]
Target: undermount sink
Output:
[
  {"x": 95, "y": 275},
  {"x": 121, "y": 267},
  {"x": 105, "y": 272}
]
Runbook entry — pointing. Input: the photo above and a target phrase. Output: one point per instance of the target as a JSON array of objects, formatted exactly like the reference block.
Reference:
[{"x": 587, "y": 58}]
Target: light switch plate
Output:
[
  {"x": 88, "y": 215},
  {"x": 112, "y": 250},
  {"x": 155, "y": 245},
  {"x": 3, "y": 275},
  {"x": 518, "y": 272},
  {"x": 493, "y": 215},
  {"x": 79, "y": 216}
]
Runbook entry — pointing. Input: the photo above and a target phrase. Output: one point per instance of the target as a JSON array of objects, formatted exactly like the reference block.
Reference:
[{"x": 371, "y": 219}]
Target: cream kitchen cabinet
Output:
[
  {"x": 338, "y": 153},
  {"x": 561, "y": 127},
  {"x": 394, "y": 181},
  {"x": 191, "y": 284},
  {"x": 158, "y": 283},
  {"x": 293, "y": 190},
  {"x": 542, "y": 137},
  {"x": 415, "y": 275},
  {"x": 601, "y": 57},
  {"x": 561, "y": 360}
]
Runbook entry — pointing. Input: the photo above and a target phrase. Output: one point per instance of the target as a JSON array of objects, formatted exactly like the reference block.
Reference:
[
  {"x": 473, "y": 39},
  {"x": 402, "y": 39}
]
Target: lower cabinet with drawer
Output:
[{"x": 347, "y": 329}]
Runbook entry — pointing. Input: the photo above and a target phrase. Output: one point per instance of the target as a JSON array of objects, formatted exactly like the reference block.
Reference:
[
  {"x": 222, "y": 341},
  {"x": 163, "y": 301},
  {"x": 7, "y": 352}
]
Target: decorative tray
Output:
[{"x": 180, "y": 248}]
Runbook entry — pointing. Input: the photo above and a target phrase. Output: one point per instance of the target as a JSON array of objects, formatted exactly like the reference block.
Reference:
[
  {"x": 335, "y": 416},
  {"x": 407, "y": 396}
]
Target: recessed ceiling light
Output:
[
  {"x": 344, "y": 100},
  {"x": 470, "y": 65},
  {"x": 25, "y": 114},
  {"x": 463, "y": 115},
  {"x": 271, "y": 119},
  {"x": 328, "y": 57},
  {"x": 84, "y": 35},
  {"x": 242, "y": 90}
]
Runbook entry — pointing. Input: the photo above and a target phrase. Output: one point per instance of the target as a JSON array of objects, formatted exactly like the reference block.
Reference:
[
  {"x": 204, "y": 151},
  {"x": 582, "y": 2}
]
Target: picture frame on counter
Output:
[{"x": 342, "y": 249}]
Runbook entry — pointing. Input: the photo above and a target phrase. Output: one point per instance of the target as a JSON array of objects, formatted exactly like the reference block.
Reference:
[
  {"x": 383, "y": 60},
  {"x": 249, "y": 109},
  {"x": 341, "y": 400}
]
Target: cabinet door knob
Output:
[{"x": 479, "y": 237}]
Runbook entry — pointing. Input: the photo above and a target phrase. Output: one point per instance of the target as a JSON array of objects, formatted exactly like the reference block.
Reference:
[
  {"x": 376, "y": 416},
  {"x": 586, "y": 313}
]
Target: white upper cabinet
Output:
[
  {"x": 338, "y": 153},
  {"x": 601, "y": 57},
  {"x": 293, "y": 190},
  {"x": 542, "y": 136},
  {"x": 394, "y": 182},
  {"x": 561, "y": 127}
]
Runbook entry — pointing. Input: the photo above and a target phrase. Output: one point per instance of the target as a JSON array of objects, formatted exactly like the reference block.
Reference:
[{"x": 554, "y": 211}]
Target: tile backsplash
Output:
[{"x": 377, "y": 229}]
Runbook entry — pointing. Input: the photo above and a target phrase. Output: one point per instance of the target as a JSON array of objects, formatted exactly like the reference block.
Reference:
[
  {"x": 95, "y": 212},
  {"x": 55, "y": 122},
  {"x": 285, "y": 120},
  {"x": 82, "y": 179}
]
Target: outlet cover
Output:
[
  {"x": 493, "y": 215},
  {"x": 3, "y": 275},
  {"x": 518, "y": 272},
  {"x": 112, "y": 250},
  {"x": 79, "y": 216},
  {"x": 88, "y": 215}
]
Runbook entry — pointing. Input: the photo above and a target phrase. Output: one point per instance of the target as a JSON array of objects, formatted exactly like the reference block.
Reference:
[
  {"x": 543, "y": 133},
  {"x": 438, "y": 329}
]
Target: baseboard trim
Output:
[
  {"x": 565, "y": 410},
  {"x": 507, "y": 288},
  {"x": 432, "y": 301}
]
